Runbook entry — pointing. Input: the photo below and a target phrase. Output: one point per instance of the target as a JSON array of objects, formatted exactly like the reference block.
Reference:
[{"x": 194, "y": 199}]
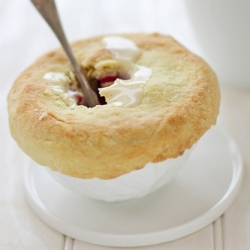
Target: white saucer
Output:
[{"x": 202, "y": 190}]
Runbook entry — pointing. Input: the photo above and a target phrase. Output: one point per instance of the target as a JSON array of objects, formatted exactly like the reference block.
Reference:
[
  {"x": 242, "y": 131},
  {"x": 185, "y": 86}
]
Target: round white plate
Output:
[{"x": 202, "y": 190}]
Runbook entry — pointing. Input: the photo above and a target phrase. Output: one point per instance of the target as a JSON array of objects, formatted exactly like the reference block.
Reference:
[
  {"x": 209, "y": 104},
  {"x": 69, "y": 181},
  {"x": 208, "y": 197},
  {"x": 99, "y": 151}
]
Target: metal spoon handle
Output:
[{"x": 48, "y": 10}]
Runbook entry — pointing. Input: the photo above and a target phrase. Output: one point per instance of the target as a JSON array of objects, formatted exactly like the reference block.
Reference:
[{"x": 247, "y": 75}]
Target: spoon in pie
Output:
[{"x": 48, "y": 10}]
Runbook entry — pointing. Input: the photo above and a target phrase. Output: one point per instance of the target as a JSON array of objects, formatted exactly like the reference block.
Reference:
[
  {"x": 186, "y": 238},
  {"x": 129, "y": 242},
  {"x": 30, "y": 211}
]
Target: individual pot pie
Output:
[{"x": 156, "y": 100}]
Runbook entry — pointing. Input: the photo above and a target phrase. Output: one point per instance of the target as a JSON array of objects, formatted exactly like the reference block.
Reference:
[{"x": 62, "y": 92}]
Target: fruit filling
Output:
[
  {"x": 78, "y": 96},
  {"x": 111, "y": 72},
  {"x": 68, "y": 90}
]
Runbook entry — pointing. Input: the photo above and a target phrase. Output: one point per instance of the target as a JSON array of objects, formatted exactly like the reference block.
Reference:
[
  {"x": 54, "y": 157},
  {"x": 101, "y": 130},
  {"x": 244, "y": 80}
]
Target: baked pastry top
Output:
[{"x": 179, "y": 102}]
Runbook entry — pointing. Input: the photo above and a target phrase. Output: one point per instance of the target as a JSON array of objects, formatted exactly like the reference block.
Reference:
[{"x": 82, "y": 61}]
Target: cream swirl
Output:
[{"x": 125, "y": 92}]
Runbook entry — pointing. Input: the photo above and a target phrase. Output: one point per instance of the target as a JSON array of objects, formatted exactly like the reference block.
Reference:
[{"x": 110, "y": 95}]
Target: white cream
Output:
[
  {"x": 125, "y": 92},
  {"x": 121, "y": 48},
  {"x": 58, "y": 83}
]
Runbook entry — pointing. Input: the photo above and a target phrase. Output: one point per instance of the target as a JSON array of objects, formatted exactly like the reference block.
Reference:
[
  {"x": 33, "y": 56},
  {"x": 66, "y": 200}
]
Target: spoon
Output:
[{"x": 48, "y": 10}]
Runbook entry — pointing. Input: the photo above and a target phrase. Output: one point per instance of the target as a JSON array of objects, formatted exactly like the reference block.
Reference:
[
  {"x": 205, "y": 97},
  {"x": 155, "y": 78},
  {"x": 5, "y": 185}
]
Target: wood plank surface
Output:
[{"x": 202, "y": 239}]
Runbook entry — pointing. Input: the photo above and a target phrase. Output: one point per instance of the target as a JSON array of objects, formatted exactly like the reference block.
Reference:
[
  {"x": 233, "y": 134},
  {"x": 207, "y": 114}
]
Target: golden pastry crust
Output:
[{"x": 180, "y": 103}]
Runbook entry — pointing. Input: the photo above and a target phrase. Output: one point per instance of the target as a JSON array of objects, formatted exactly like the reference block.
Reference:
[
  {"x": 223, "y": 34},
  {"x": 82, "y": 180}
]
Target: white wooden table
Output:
[{"x": 24, "y": 36}]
